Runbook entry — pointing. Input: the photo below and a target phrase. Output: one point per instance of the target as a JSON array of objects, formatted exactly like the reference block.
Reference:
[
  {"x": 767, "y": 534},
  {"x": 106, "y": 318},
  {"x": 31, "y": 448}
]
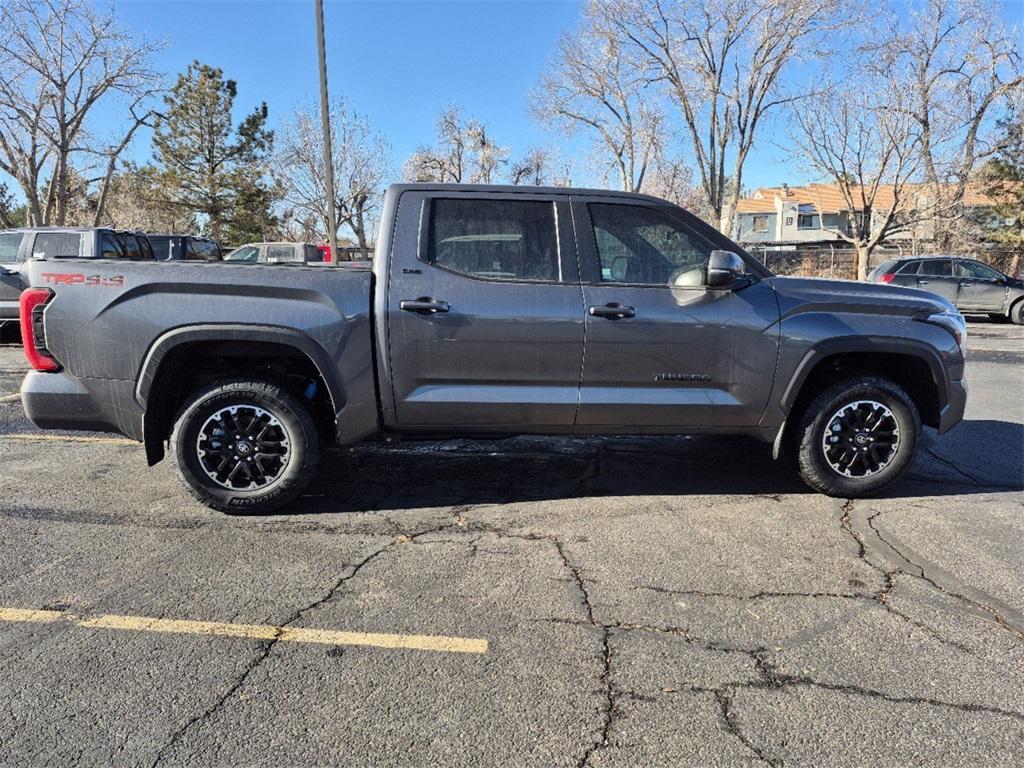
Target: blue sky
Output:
[{"x": 399, "y": 62}]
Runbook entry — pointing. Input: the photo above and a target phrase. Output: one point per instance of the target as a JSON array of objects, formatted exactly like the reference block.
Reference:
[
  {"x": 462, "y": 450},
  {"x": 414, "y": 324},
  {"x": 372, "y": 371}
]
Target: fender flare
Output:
[
  {"x": 867, "y": 344},
  {"x": 217, "y": 332}
]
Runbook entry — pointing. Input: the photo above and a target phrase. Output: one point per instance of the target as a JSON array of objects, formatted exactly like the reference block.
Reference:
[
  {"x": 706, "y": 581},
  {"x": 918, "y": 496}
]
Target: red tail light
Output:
[
  {"x": 33, "y": 338},
  {"x": 886, "y": 278}
]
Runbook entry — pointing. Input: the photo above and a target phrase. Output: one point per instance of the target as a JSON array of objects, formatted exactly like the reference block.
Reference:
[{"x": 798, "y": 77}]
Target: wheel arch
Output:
[
  {"x": 912, "y": 364},
  {"x": 180, "y": 357}
]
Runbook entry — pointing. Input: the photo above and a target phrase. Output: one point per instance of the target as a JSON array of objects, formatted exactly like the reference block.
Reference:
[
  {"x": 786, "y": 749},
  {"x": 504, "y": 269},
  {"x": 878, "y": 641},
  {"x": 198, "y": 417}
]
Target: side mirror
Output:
[{"x": 725, "y": 268}]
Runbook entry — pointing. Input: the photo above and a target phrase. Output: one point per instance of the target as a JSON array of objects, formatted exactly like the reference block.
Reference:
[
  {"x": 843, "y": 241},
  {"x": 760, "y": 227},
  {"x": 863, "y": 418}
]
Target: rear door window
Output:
[
  {"x": 57, "y": 245},
  {"x": 9, "y": 245},
  {"x": 281, "y": 253},
  {"x": 909, "y": 268},
  {"x": 937, "y": 268},
  {"x": 495, "y": 239}
]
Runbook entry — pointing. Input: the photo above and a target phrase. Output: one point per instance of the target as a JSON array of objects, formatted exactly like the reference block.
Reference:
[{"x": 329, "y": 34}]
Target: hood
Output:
[{"x": 800, "y": 294}]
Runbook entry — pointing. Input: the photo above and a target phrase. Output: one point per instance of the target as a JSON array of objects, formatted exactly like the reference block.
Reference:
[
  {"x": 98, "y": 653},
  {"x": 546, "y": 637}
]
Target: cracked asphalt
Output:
[{"x": 645, "y": 602}]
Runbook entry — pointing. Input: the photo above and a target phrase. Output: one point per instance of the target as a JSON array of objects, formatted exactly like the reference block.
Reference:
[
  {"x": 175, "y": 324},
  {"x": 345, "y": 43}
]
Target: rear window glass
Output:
[
  {"x": 883, "y": 269},
  {"x": 111, "y": 249},
  {"x": 56, "y": 245},
  {"x": 9, "y": 245},
  {"x": 937, "y": 268},
  {"x": 495, "y": 239},
  {"x": 161, "y": 247},
  {"x": 131, "y": 246}
]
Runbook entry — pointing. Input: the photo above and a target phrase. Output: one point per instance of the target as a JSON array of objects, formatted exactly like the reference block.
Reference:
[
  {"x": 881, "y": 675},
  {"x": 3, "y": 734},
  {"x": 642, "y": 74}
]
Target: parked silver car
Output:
[{"x": 276, "y": 253}]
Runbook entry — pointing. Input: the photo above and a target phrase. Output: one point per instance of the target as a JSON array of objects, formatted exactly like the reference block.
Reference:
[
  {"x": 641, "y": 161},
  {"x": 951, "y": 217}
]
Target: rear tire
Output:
[
  {"x": 244, "y": 446},
  {"x": 857, "y": 437}
]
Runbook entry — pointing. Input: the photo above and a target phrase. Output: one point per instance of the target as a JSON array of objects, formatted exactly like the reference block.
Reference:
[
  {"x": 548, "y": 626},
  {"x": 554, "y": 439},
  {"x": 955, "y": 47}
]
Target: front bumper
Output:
[
  {"x": 953, "y": 413},
  {"x": 63, "y": 401}
]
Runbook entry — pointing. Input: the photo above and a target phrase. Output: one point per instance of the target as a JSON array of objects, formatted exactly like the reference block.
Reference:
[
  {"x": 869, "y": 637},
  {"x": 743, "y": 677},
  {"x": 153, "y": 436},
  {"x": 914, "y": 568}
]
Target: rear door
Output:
[
  {"x": 10, "y": 279},
  {"x": 484, "y": 312},
  {"x": 936, "y": 276},
  {"x": 662, "y": 350},
  {"x": 906, "y": 274},
  {"x": 982, "y": 288}
]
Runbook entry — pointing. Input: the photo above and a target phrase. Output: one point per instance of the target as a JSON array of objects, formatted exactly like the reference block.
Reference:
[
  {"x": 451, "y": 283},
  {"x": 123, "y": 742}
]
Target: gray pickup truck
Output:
[{"x": 490, "y": 311}]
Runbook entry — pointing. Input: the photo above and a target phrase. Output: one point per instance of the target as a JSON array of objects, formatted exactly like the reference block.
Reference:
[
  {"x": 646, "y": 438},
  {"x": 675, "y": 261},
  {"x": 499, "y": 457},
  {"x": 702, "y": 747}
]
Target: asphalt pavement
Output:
[{"x": 526, "y": 602}]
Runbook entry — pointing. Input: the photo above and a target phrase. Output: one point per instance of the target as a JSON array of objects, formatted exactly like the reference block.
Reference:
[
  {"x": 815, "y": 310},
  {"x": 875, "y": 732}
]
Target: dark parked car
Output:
[
  {"x": 490, "y": 311},
  {"x": 20, "y": 245},
  {"x": 184, "y": 247},
  {"x": 968, "y": 284}
]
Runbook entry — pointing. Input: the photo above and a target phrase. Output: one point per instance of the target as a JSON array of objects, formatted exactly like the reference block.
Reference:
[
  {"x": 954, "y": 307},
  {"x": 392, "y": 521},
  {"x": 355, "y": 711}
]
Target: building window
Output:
[
  {"x": 830, "y": 220},
  {"x": 808, "y": 221},
  {"x": 760, "y": 223}
]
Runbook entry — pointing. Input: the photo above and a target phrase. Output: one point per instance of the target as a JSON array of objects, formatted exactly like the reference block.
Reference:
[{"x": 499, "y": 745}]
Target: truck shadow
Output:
[{"x": 420, "y": 474}]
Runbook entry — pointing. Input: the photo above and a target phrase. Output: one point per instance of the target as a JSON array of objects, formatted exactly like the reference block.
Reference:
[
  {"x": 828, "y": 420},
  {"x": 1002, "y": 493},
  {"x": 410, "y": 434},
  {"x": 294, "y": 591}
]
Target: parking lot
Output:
[{"x": 523, "y": 602}]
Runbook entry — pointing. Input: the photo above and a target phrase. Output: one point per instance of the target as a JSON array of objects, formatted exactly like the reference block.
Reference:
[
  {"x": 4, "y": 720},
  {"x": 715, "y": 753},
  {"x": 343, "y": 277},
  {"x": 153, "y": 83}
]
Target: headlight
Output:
[{"x": 951, "y": 320}]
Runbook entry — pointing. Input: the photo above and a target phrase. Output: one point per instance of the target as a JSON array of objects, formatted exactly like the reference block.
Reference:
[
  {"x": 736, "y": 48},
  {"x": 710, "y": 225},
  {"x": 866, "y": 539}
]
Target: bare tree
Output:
[
  {"x": 858, "y": 143},
  {"x": 596, "y": 87},
  {"x": 532, "y": 168},
  {"x": 959, "y": 64},
  {"x": 58, "y": 59},
  {"x": 140, "y": 116},
  {"x": 724, "y": 64},
  {"x": 360, "y": 166},
  {"x": 463, "y": 153}
]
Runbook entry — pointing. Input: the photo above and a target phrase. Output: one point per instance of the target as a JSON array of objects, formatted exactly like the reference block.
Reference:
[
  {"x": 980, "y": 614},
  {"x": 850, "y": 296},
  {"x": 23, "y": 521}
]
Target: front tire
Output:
[
  {"x": 1017, "y": 312},
  {"x": 244, "y": 446},
  {"x": 858, "y": 437}
]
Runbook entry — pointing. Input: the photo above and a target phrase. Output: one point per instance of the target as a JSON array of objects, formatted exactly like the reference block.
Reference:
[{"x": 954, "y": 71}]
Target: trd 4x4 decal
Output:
[{"x": 77, "y": 278}]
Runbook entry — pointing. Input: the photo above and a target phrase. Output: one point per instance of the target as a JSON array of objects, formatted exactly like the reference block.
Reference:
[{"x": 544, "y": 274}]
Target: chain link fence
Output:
[{"x": 824, "y": 260}]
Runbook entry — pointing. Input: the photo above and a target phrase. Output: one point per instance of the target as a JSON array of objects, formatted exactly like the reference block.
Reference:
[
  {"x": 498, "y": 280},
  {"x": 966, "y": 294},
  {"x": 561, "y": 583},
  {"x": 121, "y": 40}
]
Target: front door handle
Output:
[
  {"x": 923, "y": 282},
  {"x": 424, "y": 305},
  {"x": 612, "y": 311}
]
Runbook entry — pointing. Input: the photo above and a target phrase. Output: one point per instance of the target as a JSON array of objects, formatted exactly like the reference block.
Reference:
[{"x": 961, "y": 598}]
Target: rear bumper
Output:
[
  {"x": 63, "y": 401},
  {"x": 953, "y": 413}
]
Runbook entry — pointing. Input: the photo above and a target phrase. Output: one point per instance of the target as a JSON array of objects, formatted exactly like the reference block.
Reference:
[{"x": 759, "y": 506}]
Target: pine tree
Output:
[
  {"x": 207, "y": 166},
  {"x": 1004, "y": 177}
]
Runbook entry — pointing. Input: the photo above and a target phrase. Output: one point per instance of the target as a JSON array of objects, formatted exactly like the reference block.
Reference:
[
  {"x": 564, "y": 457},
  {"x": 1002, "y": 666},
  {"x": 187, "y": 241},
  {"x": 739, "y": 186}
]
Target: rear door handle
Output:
[
  {"x": 424, "y": 305},
  {"x": 965, "y": 282},
  {"x": 923, "y": 282},
  {"x": 612, "y": 311}
]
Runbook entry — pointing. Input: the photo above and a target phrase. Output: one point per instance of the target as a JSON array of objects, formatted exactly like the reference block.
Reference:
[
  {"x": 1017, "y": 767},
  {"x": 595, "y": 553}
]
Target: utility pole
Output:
[{"x": 332, "y": 227}]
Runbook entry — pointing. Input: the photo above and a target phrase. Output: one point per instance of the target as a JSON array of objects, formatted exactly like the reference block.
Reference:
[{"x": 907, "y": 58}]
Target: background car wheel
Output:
[
  {"x": 245, "y": 447},
  {"x": 1017, "y": 312},
  {"x": 857, "y": 437}
]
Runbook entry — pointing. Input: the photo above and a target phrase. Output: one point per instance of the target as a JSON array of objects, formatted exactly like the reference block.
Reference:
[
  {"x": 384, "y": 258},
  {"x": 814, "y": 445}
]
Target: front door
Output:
[
  {"x": 663, "y": 351},
  {"x": 485, "y": 313},
  {"x": 982, "y": 289}
]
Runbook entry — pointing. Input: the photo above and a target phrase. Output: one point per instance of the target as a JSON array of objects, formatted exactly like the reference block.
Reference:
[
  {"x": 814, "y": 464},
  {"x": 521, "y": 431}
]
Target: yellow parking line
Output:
[
  {"x": 254, "y": 631},
  {"x": 69, "y": 438}
]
